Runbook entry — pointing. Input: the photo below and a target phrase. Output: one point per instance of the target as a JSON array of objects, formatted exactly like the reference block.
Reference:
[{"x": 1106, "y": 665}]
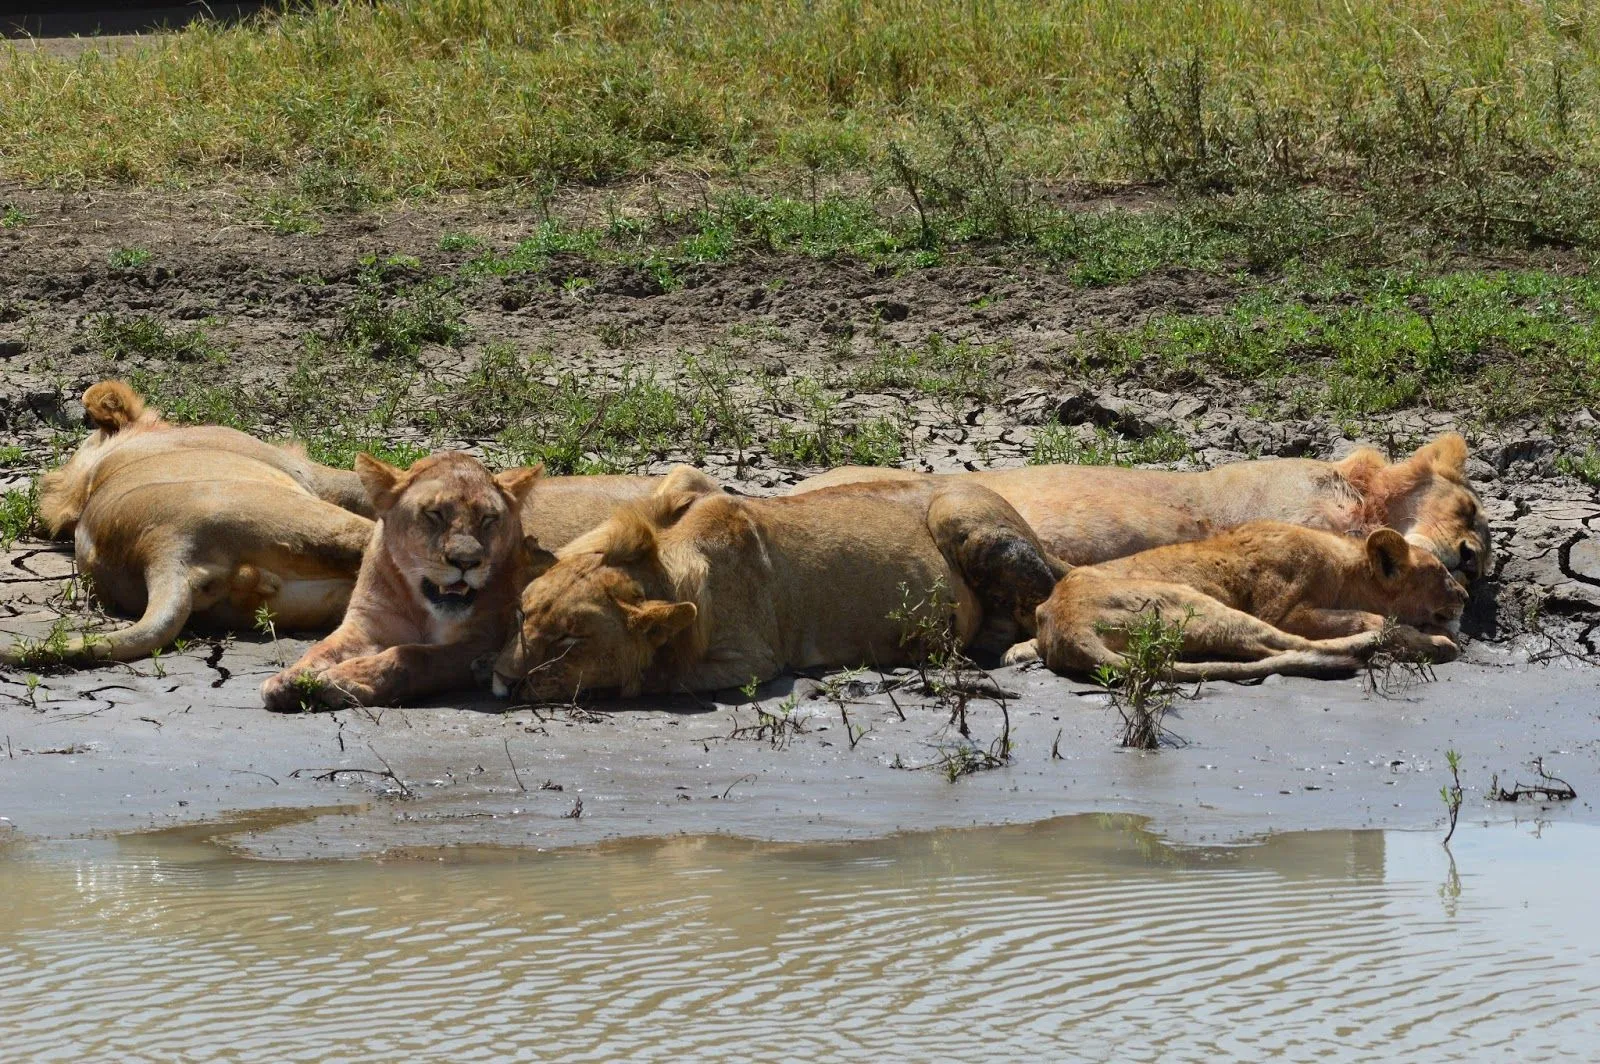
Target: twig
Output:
[
  {"x": 253, "y": 772},
  {"x": 515, "y": 774},
  {"x": 748, "y": 778},
  {"x": 1548, "y": 789}
]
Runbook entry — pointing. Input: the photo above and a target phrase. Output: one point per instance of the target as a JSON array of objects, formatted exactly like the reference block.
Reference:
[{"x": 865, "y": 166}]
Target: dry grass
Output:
[{"x": 357, "y": 101}]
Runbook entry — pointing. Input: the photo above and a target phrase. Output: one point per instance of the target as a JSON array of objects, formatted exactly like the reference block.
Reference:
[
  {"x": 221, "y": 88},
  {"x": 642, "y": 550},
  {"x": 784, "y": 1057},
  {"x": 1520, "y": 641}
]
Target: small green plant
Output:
[
  {"x": 51, "y": 649},
  {"x": 11, "y": 217},
  {"x": 267, "y": 626},
  {"x": 19, "y": 512},
  {"x": 130, "y": 258},
  {"x": 460, "y": 242},
  {"x": 146, "y": 336},
  {"x": 1138, "y": 683},
  {"x": 307, "y": 687},
  {"x": 776, "y": 728},
  {"x": 1585, "y": 466},
  {"x": 1451, "y": 794},
  {"x": 155, "y": 663},
  {"x": 32, "y": 682},
  {"x": 11, "y": 455},
  {"x": 1059, "y": 445},
  {"x": 383, "y": 324}
]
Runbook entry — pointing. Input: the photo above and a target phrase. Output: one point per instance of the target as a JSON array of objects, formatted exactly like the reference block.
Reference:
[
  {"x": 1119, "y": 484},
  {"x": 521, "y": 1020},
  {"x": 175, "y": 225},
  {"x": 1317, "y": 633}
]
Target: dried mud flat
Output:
[{"x": 125, "y": 747}]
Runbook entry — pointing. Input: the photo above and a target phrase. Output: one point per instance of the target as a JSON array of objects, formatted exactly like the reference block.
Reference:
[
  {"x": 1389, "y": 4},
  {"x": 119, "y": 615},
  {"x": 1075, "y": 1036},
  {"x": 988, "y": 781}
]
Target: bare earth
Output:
[{"x": 123, "y": 748}]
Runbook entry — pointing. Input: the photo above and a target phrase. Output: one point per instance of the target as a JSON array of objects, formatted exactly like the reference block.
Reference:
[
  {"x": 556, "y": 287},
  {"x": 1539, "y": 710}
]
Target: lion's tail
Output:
[
  {"x": 1319, "y": 664},
  {"x": 112, "y": 405},
  {"x": 168, "y": 604}
]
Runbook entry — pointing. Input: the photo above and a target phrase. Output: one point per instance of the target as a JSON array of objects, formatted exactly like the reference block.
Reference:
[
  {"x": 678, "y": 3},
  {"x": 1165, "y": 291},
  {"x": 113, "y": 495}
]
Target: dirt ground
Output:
[{"x": 125, "y": 747}]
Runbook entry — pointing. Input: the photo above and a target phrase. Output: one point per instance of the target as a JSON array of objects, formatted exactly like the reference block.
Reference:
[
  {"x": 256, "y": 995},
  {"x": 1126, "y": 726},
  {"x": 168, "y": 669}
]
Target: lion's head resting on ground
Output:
[
  {"x": 448, "y": 524},
  {"x": 1428, "y": 498},
  {"x": 1423, "y": 593},
  {"x": 597, "y": 617}
]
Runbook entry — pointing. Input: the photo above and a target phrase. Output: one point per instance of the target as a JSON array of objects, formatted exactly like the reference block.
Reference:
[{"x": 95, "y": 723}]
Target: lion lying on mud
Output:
[
  {"x": 697, "y": 590},
  {"x": 176, "y": 521},
  {"x": 1265, "y": 598},
  {"x": 440, "y": 577},
  {"x": 1090, "y": 514}
]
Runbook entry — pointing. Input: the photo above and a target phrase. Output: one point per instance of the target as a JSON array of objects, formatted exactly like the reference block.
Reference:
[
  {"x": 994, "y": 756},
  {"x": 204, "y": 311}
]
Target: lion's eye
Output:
[
  {"x": 489, "y": 521},
  {"x": 435, "y": 517}
]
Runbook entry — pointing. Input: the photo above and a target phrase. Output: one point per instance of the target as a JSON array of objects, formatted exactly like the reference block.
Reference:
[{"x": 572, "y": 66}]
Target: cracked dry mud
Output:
[{"x": 125, "y": 746}]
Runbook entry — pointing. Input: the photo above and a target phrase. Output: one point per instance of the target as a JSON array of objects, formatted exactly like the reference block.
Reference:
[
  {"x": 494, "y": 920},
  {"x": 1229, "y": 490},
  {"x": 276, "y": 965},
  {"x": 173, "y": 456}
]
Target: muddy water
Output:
[{"x": 1082, "y": 938}]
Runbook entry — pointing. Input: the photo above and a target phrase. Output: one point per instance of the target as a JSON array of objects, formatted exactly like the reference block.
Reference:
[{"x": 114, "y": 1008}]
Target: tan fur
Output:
[
  {"x": 447, "y": 523},
  {"x": 1266, "y": 597},
  {"x": 172, "y": 521},
  {"x": 1089, "y": 514},
  {"x": 701, "y": 591}
]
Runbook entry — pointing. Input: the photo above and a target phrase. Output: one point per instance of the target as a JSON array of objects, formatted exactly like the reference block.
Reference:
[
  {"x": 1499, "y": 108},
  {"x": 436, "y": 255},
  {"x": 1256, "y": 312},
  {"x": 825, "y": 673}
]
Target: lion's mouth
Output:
[{"x": 456, "y": 596}]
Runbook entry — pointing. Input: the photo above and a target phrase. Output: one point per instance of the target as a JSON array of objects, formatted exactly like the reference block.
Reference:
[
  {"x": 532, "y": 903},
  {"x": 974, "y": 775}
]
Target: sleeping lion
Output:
[{"x": 697, "y": 590}]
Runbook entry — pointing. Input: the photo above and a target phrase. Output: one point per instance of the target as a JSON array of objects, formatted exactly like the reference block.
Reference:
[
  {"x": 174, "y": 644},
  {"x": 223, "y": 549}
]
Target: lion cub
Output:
[
  {"x": 698, "y": 591},
  {"x": 1266, "y": 598}
]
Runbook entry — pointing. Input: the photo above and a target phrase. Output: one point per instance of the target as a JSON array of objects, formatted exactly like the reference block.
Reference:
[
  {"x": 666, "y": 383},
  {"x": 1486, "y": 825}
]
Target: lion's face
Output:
[
  {"x": 585, "y": 625},
  {"x": 1451, "y": 524},
  {"x": 449, "y": 526},
  {"x": 1424, "y": 593},
  {"x": 1438, "y": 511}
]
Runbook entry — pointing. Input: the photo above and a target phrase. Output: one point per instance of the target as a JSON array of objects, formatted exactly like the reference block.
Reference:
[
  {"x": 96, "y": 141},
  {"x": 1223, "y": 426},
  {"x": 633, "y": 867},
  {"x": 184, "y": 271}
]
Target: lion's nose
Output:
[{"x": 464, "y": 557}]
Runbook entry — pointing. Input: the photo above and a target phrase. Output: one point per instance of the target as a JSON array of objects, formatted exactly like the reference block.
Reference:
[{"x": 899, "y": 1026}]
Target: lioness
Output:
[
  {"x": 701, "y": 591},
  {"x": 1089, "y": 514},
  {"x": 440, "y": 576},
  {"x": 1267, "y": 597},
  {"x": 172, "y": 520}
]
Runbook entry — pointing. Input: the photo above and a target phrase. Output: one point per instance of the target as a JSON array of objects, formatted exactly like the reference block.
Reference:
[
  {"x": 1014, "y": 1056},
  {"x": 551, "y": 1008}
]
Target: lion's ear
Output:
[
  {"x": 630, "y": 537},
  {"x": 678, "y": 491},
  {"x": 516, "y": 483},
  {"x": 381, "y": 480},
  {"x": 536, "y": 557},
  {"x": 658, "y": 621},
  {"x": 1447, "y": 454},
  {"x": 1388, "y": 553}
]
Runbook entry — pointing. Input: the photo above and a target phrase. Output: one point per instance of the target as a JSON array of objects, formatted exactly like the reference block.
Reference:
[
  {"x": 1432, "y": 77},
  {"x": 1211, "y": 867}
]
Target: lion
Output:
[
  {"x": 440, "y": 576},
  {"x": 172, "y": 522},
  {"x": 695, "y": 590},
  {"x": 1267, "y": 597},
  {"x": 1090, "y": 514}
]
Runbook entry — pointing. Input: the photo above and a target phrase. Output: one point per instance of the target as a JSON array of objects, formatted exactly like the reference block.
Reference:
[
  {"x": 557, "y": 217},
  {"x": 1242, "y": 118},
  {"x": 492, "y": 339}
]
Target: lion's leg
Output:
[
  {"x": 169, "y": 596},
  {"x": 1314, "y": 623},
  {"x": 393, "y": 675},
  {"x": 1000, "y": 558},
  {"x": 287, "y": 690}
]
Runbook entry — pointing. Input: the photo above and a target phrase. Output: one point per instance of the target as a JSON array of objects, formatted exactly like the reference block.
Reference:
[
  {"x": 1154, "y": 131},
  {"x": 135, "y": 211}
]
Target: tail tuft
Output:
[{"x": 112, "y": 405}]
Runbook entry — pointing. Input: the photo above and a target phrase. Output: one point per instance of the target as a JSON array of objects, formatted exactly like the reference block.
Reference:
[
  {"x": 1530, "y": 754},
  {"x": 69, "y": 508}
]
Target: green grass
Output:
[
  {"x": 19, "y": 512},
  {"x": 1584, "y": 465},
  {"x": 145, "y": 336},
  {"x": 1501, "y": 344},
  {"x": 393, "y": 316},
  {"x": 1474, "y": 121},
  {"x": 1060, "y": 445},
  {"x": 11, "y": 217},
  {"x": 11, "y": 455}
]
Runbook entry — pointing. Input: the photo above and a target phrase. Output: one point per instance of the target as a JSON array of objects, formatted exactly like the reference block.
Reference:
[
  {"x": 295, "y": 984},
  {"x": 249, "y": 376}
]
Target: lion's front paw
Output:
[
  {"x": 292, "y": 691},
  {"x": 356, "y": 682},
  {"x": 1022, "y": 653}
]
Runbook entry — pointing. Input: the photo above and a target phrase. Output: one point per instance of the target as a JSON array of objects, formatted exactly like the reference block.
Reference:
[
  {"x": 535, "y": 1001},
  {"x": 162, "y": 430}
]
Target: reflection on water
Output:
[{"x": 1077, "y": 939}]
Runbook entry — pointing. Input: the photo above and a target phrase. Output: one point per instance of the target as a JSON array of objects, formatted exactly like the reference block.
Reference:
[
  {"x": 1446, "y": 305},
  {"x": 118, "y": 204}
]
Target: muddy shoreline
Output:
[
  {"x": 126, "y": 750},
  {"x": 130, "y": 748}
]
